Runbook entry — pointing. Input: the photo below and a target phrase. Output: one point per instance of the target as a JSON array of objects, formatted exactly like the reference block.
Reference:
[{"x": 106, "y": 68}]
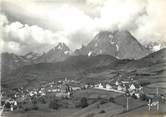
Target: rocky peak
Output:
[
  {"x": 120, "y": 44},
  {"x": 62, "y": 46}
]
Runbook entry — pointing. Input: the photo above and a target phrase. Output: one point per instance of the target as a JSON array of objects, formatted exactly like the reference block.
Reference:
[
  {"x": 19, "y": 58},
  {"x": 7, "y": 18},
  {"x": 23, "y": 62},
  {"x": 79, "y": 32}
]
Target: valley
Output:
[{"x": 82, "y": 84}]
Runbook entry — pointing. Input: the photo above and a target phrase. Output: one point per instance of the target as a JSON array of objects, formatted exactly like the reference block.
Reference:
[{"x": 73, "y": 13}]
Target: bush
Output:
[
  {"x": 103, "y": 101},
  {"x": 35, "y": 107},
  {"x": 102, "y": 111},
  {"x": 83, "y": 102},
  {"x": 42, "y": 100},
  {"x": 7, "y": 105},
  {"x": 77, "y": 105},
  {"x": 54, "y": 104},
  {"x": 144, "y": 83},
  {"x": 134, "y": 96},
  {"x": 26, "y": 109},
  {"x": 2, "y": 102},
  {"x": 34, "y": 100},
  {"x": 111, "y": 99},
  {"x": 143, "y": 97},
  {"x": 90, "y": 115}
]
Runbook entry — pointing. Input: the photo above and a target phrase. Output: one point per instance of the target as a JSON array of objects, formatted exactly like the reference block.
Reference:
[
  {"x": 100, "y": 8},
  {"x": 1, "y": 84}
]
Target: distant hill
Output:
[{"x": 10, "y": 61}]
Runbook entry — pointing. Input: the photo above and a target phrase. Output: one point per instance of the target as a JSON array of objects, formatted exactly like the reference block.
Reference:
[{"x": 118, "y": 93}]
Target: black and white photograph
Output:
[{"x": 83, "y": 58}]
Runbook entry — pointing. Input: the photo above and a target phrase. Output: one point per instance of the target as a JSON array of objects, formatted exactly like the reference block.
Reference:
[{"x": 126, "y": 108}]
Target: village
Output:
[{"x": 14, "y": 100}]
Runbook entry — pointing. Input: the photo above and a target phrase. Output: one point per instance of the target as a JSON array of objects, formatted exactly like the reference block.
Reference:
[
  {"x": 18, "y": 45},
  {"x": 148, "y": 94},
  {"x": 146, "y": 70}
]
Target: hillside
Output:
[
  {"x": 72, "y": 68},
  {"x": 86, "y": 68},
  {"x": 156, "y": 58},
  {"x": 10, "y": 61}
]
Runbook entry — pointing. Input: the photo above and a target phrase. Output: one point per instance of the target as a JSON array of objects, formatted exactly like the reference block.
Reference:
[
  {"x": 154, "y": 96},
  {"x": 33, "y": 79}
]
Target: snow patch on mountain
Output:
[
  {"x": 117, "y": 47},
  {"x": 66, "y": 52},
  {"x": 156, "y": 48},
  {"x": 112, "y": 42},
  {"x": 96, "y": 44},
  {"x": 100, "y": 52},
  {"x": 60, "y": 46},
  {"x": 110, "y": 36},
  {"x": 90, "y": 53}
]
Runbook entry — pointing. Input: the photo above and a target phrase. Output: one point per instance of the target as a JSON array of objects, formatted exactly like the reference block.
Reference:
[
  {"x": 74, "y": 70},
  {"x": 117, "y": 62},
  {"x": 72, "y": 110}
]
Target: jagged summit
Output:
[
  {"x": 58, "y": 53},
  {"x": 62, "y": 46},
  {"x": 120, "y": 44}
]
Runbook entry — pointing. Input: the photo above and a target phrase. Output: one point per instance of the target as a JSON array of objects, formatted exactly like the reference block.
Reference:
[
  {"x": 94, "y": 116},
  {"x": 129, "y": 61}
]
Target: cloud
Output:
[
  {"x": 152, "y": 27},
  {"x": 3, "y": 21},
  {"x": 41, "y": 25},
  {"x": 20, "y": 38}
]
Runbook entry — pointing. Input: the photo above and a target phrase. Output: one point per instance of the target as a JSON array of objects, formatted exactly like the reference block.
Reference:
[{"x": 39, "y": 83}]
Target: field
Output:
[
  {"x": 99, "y": 102},
  {"x": 158, "y": 84},
  {"x": 98, "y": 110},
  {"x": 59, "y": 113},
  {"x": 152, "y": 88},
  {"x": 96, "y": 93},
  {"x": 141, "y": 114}
]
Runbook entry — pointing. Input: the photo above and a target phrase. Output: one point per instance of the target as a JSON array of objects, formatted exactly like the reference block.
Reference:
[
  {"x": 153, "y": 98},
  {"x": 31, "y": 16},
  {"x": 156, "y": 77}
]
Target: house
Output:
[
  {"x": 137, "y": 95},
  {"x": 86, "y": 86},
  {"x": 62, "y": 94},
  {"x": 117, "y": 83},
  {"x": 100, "y": 86},
  {"x": 74, "y": 86},
  {"x": 1, "y": 109},
  {"x": 154, "y": 101},
  {"x": 108, "y": 86},
  {"x": 124, "y": 88},
  {"x": 125, "y": 82},
  {"x": 132, "y": 87},
  {"x": 119, "y": 88},
  {"x": 64, "y": 88},
  {"x": 42, "y": 93}
]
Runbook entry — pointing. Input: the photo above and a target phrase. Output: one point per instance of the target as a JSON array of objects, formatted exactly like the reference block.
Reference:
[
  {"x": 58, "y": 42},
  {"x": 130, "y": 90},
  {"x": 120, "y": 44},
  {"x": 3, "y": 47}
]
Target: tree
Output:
[
  {"x": 143, "y": 97},
  {"x": 42, "y": 100},
  {"x": 83, "y": 102},
  {"x": 111, "y": 99},
  {"x": 54, "y": 104}
]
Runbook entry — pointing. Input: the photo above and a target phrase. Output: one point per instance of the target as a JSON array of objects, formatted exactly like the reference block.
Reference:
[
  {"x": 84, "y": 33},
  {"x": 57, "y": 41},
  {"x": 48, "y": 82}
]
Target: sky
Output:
[{"x": 39, "y": 25}]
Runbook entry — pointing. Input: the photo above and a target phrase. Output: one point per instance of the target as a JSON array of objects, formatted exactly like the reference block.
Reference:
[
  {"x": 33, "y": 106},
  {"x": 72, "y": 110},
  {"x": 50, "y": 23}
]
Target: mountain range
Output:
[
  {"x": 89, "y": 68},
  {"x": 107, "y": 51},
  {"x": 119, "y": 44},
  {"x": 12, "y": 61}
]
